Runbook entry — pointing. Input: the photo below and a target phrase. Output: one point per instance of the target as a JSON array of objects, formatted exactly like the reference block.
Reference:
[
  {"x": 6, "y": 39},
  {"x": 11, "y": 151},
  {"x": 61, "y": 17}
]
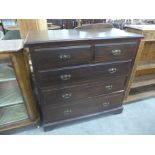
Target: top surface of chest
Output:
[{"x": 55, "y": 36}]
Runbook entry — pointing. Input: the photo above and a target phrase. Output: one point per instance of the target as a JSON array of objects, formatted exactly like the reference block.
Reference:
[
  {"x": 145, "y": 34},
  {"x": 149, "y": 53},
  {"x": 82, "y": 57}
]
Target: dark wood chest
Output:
[{"x": 81, "y": 74}]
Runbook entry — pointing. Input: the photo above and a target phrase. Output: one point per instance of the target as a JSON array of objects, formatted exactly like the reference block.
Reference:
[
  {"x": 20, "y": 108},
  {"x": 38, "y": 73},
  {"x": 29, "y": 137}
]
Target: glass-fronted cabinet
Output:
[{"x": 17, "y": 103}]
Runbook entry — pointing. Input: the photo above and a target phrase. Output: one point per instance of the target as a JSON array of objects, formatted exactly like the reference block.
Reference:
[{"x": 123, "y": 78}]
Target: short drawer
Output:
[
  {"x": 115, "y": 51},
  {"x": 84, "y": 73},
  {"x": 48, "y": 58},
  {"x": 89, "y": 106},
  {"x": 71, "y": 95}
]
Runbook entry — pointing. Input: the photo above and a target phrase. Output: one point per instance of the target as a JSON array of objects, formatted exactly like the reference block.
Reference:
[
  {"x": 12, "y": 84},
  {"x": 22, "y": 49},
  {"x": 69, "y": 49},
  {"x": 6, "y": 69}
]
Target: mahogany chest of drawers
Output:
[{"x": 81, "y": 74}]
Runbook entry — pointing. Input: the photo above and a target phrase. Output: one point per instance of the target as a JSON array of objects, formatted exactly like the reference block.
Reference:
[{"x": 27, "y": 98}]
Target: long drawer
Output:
[
  {"x": 73, "y": 75},
  {"x": 48, "y": 58},
  {"x": 73, "y": 94},
  {"x": 115, "y": 51},
  {"x": 89, "y": 106}
]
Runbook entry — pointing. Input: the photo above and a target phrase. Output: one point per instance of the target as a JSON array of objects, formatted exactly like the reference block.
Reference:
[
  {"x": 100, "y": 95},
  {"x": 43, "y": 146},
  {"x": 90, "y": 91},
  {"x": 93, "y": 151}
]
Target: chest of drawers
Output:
[{"x": 81, "y": 74}]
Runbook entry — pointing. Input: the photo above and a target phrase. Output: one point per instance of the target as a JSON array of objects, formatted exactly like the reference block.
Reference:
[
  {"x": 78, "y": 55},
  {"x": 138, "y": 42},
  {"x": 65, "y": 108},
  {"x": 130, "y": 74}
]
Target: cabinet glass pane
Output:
[
  {"x": 12, "y": 114},
  {"x": 6, "y": 71},
  {"x": 10, "y": 93},
  {"x": 12, "y": 108}
]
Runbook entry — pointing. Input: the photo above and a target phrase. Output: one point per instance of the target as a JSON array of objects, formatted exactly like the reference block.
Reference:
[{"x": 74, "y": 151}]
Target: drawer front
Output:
[
  {"x": 89, "y": 106},
  {"x": 48, "y": 58},
  {"x": 74, "y": 94},
  {"x": 115, "y": 51},
  {"x": 74, "y": 75}
]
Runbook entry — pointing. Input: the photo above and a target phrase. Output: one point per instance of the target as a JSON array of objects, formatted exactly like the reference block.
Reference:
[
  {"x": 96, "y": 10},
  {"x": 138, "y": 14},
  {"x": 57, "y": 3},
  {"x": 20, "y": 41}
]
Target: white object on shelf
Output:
[{"x": 1, "y": 35}]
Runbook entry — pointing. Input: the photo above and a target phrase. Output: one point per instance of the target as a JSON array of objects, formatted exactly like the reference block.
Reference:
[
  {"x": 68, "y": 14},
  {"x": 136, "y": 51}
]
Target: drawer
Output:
[
  {"x": 84, "y": 73},
  {"x": 90, "y": 106},
  {"x": 74, "y": 94},
  {"x": 115, "y": 51},
  {"x": 48, "y": 58}
]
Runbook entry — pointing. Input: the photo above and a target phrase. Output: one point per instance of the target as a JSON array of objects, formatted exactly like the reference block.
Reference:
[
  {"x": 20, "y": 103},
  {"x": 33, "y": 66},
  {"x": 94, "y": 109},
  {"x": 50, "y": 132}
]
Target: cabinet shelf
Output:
[
  {"x": 140, "y": 96},
  {"x": 143, "y": 80},
  {"x": 146, "y": 65},
  {"x": 10, "y": 95},
  {"x": 141, "y": 93},
  {"x": 12, "y": 114},
  {"x": 6, "y": 74}
]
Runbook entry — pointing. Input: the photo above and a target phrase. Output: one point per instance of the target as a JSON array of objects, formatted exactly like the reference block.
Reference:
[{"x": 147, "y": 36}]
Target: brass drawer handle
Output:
[
  {"x": 66, "y": 95},
  {"x": 65, "y": 77},
  {"x": 112, "y": 70},
  {"x": 109, "y": 87},
  {"x": 116, "y": 52},
  {"x": 105, "y": 104},
  {"x": 67, "y": 111},
  {"x": 64, "y": 56}
]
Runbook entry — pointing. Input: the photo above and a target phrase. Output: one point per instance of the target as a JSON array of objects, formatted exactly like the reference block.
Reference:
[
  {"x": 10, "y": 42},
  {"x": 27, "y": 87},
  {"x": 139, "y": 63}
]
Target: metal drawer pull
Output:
[
  {"x": 109, "y": 87},
  {"x": 67, "y": 111},
  {"x": 112, "y": 70},
  {"x": 66, "y": 95},
  {"x": 64, "y": 56},
  {"x": 116, "y": 52},
  {"x": 65, "y": 77},
  {"x": 105, "y": 104}
]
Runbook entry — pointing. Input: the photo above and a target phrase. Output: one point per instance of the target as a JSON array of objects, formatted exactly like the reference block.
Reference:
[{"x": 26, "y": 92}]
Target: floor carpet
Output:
[{"x": 137, "y": 119}]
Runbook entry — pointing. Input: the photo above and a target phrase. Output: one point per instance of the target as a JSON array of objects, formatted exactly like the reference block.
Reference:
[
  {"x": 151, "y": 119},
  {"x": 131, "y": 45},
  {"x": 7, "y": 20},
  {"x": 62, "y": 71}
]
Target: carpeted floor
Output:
[{"x": 137, "y": 118}]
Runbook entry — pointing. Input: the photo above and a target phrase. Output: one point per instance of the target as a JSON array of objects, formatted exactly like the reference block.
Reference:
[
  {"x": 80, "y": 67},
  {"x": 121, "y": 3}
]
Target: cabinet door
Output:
[{"x": 12, "y": 107}]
